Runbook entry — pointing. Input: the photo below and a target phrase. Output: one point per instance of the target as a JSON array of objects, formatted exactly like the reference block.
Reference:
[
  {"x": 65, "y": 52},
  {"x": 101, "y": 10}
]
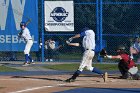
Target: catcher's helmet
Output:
[
  {"x": 22, "y": 24},
  {"x": 121, "y": 47}
]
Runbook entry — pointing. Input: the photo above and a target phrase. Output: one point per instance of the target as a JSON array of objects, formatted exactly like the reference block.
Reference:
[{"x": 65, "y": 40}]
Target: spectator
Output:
[
  {"x": 56, "y": 51},
  {"x": 49, "y": 49},
  {"x": 135, "y": 49}
]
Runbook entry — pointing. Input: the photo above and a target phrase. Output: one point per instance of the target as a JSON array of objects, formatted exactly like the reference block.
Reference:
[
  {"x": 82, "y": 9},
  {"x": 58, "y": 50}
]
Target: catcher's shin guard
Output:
[{"x": 136, "y": 77}]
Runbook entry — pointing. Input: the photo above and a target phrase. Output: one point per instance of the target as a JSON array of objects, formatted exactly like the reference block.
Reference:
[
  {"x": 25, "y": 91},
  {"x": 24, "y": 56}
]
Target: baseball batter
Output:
[
  {"x": 25, "y": 34},
  {"x": 88, "y": 44}
]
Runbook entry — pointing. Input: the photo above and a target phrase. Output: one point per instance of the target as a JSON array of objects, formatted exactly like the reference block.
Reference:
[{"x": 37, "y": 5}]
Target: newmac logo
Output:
[{"x": 59, "y": 14}]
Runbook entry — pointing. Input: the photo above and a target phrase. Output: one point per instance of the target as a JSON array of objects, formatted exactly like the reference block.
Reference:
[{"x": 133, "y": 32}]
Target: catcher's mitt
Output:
[{"x": 103, "y": 53}]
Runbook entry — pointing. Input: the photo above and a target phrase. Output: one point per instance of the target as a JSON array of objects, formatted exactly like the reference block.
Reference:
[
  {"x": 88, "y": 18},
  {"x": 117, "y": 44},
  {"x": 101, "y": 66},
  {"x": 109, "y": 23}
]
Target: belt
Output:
[{"x": 90, "y": 49}]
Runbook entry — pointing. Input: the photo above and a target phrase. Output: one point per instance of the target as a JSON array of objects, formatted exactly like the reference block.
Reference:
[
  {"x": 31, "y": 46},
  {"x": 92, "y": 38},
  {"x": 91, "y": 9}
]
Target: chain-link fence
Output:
[{"x": 117, "y": 21}]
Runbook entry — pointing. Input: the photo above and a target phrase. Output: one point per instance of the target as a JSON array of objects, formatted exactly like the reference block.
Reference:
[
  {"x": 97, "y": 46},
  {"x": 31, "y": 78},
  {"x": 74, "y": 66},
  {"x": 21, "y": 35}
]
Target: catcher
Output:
[{"x": 126, "y": 65}]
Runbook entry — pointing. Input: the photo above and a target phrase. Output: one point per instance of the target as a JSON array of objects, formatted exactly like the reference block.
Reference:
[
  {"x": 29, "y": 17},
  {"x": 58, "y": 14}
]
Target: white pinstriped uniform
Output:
[
  {"x": 89, "y": 46},
  {"x": 28, "y": 39}
]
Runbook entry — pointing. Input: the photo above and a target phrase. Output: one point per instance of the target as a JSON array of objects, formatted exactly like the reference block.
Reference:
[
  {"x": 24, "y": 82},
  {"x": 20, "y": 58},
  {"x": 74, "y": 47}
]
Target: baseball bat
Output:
[{"x": 28, "y": 21}]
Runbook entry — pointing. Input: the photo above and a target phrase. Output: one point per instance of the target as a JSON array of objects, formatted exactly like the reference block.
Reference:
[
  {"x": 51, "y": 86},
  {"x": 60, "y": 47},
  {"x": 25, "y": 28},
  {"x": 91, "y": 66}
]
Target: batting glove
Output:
[
  {"x": 70, "y": 39},
  {"x": 67, "y": 42}
]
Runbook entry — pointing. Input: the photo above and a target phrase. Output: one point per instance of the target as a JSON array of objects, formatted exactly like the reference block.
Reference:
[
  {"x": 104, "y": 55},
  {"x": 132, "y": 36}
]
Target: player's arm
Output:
[
  {"x": 74, "y": 44},
  {"x": 103, "y": 53},
  {"x": 76, "y": 36},
  {"x": 20, "y": 34},
  {"x": 114, "y": 57}
]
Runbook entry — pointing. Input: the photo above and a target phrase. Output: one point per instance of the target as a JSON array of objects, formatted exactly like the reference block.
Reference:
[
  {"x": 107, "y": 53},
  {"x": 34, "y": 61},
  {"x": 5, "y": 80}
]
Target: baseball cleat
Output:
[
  {"x": 32, "y": 62},
  {"x": 70, "y": 80},
  {"x": 105, "y": 76},
  {"x": 26, "y": 64}
]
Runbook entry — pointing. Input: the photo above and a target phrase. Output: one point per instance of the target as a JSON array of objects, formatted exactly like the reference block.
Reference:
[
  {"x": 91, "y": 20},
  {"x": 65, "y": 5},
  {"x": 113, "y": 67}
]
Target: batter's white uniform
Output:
[
  {"x": 28, "y": 39},
  {"x": 89, "y": 46}
]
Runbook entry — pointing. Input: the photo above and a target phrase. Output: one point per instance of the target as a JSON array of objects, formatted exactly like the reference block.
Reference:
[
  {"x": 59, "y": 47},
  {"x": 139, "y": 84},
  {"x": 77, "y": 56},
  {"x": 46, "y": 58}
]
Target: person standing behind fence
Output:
[
  {"x": 135, "y": 49},
  {"x": 49, "y": 46},
  {"x": 25, "y": 34},
  {"x": 89, "y": 47}
]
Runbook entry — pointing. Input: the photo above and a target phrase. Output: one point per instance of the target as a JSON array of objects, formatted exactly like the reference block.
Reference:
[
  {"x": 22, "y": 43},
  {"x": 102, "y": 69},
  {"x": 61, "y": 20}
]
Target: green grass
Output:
[
  {"x": 8, "y": 69},
  {"x": 71, "y": 67},
  {"x": 68, "y": 56}
]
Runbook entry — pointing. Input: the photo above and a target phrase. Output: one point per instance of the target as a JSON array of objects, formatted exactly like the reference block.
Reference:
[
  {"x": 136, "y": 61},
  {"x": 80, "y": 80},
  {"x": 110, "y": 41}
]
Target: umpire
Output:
[{"x": 89, "y": 47}]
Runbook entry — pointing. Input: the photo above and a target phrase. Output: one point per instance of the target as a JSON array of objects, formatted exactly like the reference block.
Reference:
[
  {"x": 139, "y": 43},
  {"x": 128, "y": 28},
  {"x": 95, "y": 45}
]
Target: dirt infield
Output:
[{"x": 55, "y": 83}]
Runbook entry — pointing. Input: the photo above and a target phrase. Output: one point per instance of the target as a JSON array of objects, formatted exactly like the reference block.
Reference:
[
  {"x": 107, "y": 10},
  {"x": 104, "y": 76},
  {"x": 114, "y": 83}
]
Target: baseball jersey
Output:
[
  {"x": 26, "y": 34},
  {"x": 88, "y": 39},
  {"x": 126, "y": 59}
]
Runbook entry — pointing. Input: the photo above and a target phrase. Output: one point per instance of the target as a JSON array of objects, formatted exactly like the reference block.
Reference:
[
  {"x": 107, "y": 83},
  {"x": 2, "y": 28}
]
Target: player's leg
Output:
[
  {"x": 26, "y": 52},
  {"x": 81, "y": 67},
  {"x": 94, "y": 69},
  {"x": 123, "y": 70},
  {"x": 136, "y": 76},
  {"x": 74, "y": 76},
  {"x": 88, "y": 62},
  {"x": 29, "y": 48}
]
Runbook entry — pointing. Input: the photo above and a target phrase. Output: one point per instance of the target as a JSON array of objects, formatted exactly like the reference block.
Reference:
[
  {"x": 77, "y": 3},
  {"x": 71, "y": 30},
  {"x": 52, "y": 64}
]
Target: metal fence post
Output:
[
  {"x": 100, "y": 30},
  {"x": 97, "y": 18},
  {"x": 42, "y": 29}
]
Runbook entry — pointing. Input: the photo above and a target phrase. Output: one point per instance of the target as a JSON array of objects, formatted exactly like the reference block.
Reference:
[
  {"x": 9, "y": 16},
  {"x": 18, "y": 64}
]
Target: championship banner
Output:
[
  {"x": 59, "y": 16},
  {"x": 12, "y": 12}
]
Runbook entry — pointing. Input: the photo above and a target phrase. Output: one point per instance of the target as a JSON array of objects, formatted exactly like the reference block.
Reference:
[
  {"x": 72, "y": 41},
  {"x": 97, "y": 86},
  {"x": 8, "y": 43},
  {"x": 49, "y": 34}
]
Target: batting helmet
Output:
[
  {"x": 22, "y": 24},
  {"x": 84, "y": 29}
]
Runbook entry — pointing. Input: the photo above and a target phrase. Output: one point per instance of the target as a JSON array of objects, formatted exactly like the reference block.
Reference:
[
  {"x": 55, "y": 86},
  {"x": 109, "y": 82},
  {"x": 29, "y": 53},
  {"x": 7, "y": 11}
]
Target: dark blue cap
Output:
[
  {"x": 84, "y": 29},
  {"x": 22, "y": 24}
]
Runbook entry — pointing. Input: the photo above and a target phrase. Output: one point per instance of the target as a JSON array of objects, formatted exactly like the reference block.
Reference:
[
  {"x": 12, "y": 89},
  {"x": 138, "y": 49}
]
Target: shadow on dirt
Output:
[{"x": 50, "y": 79}]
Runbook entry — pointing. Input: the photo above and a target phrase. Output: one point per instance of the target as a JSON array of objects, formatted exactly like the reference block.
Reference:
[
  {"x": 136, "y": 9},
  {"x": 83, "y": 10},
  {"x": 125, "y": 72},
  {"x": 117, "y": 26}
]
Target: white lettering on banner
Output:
[
  {"x": 12, "y": 39},
  {"x": 2, "y": 40},
  {"x": 59, "y": 14},
  {"x": 4, "y": 4},
  {"x": 17, "y": 9},
  {"x": 60, "y": 24},
  {"x": 8, "y": 38}
]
